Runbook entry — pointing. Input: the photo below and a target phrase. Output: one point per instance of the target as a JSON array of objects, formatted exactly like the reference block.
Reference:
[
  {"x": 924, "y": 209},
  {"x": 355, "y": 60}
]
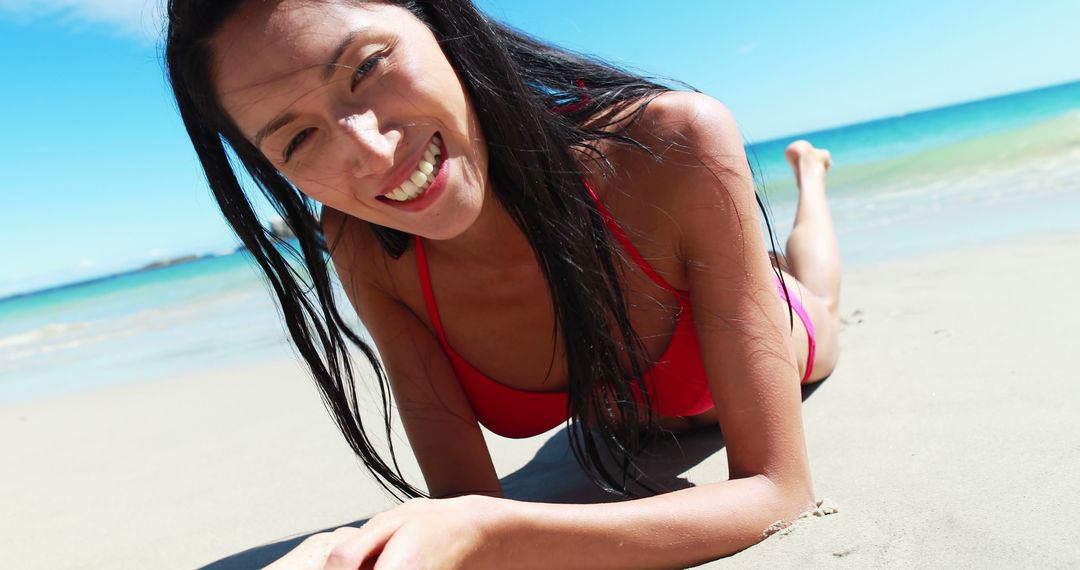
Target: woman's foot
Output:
[{"x": 808, "y": 163}]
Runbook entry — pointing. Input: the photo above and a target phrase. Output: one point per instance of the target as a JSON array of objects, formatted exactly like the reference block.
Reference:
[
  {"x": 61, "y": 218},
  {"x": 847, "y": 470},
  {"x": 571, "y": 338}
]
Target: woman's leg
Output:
[{"x": 812, "y": 254}]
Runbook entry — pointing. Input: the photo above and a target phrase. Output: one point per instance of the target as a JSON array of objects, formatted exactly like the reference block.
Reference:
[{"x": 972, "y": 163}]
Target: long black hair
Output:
[{"x": 535, "y": 103}]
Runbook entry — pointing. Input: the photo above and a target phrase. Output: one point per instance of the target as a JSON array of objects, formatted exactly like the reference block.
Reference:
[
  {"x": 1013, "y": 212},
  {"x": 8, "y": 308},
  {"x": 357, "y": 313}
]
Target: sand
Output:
[{"x": 948, "y": 437}]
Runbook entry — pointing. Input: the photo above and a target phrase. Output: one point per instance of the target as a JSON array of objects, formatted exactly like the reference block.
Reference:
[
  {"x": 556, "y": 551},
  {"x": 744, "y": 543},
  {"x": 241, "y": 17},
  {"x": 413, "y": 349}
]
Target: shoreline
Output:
[{"x": 954, "y": 368}]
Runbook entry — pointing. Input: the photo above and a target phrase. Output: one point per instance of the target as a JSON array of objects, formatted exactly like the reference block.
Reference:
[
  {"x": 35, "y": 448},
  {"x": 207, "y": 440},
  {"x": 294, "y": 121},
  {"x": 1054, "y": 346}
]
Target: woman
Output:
[{"x": 587, "y": 239}]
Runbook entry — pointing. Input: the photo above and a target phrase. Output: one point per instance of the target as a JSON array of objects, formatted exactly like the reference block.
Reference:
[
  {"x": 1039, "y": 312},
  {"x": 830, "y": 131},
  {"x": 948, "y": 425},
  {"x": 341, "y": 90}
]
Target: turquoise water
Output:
[
  {"x": 956, "y": 176},
  {"x": 878, "y": 141},
  {"x": 148, "y": 324},
  {"x": 901, "y": 186}
]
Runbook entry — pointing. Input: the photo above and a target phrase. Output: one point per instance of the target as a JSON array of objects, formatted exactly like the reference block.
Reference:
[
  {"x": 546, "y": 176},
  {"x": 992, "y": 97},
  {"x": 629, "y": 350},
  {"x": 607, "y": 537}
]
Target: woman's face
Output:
[{"x": 358, "y": 106}]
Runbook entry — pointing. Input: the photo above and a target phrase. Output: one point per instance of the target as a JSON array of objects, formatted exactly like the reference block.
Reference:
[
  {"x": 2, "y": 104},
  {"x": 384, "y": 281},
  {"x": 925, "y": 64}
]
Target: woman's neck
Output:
[{"x": 492, "y": 240}]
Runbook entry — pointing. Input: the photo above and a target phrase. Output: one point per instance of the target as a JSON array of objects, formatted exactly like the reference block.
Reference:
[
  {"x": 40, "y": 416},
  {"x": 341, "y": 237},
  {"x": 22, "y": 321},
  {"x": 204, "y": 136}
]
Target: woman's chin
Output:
[{"x": 455, "y": 227}]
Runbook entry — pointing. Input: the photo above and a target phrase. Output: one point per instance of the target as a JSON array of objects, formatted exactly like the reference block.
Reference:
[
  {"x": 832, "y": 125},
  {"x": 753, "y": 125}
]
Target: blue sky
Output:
[{"x": 99, "y": 176}]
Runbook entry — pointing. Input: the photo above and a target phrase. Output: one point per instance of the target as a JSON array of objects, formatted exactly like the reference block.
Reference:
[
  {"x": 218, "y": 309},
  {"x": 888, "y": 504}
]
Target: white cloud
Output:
[{"x": 137, "y": 17}]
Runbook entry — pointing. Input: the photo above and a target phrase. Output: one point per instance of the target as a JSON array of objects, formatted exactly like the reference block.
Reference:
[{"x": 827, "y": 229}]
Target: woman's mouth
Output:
[{"x": 423, "y": 175}]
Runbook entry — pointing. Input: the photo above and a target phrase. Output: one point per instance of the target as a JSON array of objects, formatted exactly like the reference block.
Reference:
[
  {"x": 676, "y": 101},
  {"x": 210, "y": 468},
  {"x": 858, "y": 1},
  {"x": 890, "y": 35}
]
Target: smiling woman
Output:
[
  {"x": 594, "y": 241},
  {"x": 333, "y": 128}
]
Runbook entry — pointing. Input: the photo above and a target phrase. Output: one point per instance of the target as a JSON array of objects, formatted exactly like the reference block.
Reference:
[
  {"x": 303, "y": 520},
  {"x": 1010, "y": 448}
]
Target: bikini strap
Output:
[
  {"x": 627, "y": 245},
  {"x": 612, "y": 224},
  {"x": 425, "y": 285}
]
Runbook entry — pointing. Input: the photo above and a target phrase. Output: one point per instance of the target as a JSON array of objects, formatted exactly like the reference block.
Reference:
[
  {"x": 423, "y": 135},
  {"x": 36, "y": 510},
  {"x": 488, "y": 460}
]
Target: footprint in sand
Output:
[{"x": 855, "y": 318}]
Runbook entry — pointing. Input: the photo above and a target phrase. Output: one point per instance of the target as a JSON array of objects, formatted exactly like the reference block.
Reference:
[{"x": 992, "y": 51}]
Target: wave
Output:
[
  {"x": 241, "y": 313},
  {"x": 43, "y": 333},
  {"x": 1039, "y": 148},
  {"x": 1042, "y": 146},
  {"x": 64, "y": 345}
]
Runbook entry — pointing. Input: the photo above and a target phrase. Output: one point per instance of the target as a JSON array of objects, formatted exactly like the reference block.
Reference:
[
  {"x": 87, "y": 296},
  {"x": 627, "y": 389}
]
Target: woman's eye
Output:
[
  {"x": 365, "y": 68},
  {"x": 295, "y": 144}
]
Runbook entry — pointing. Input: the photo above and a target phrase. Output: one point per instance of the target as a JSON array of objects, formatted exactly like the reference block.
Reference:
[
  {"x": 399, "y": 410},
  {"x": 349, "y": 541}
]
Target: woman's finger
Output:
[
  {"x": 400, "y": 553},
  {"x": 312, "y": 552},
  {"x": 366, "y": 544}
]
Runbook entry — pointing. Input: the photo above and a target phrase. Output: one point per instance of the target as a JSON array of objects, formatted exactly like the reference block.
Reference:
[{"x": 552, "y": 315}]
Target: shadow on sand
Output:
[{"x": 551, "y": 476}]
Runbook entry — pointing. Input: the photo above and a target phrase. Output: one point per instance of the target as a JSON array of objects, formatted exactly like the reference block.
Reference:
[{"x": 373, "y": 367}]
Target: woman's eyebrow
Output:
[
  {"x": 328, "y": 72},
  {"x": 272, "y": 127},
  {"x": 342, "y": 47}
]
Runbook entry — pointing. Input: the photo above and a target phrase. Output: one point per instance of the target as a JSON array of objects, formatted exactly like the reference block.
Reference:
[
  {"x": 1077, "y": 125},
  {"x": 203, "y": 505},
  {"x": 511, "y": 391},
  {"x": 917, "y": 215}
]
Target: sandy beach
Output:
[{"x": 948, "y": 437}]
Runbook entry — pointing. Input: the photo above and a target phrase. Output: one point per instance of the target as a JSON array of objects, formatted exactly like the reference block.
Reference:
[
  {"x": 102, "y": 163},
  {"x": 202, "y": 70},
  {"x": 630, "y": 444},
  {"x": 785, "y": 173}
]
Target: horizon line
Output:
[{"x": 921, "y": 111}]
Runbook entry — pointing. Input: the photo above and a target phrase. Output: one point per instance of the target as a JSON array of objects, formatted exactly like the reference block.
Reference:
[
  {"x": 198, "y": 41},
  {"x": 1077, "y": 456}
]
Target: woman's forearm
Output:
[{"x": 673, "y": 530}]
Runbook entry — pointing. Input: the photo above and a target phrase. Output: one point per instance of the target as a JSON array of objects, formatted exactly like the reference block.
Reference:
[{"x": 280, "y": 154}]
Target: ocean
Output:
[
  {"x": 956, "y": 176},
  {"x": 902, "y": 186}
]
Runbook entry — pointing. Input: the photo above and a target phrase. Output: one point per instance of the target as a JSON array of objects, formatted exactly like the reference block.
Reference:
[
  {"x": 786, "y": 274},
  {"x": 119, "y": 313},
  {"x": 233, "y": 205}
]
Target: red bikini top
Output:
[{"x": 677, "y": 383}]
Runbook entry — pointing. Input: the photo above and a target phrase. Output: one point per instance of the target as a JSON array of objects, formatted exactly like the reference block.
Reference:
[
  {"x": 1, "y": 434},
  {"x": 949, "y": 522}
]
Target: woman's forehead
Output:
[
  {"x": 266, "y": 49},
  {"x": 286, "y": 35}
]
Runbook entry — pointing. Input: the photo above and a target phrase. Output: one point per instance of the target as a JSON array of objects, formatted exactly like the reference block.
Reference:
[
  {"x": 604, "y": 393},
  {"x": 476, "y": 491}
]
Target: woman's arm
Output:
[
  {"x": 742, "y": 326},
  {"x": 441, "y": 426},
  {"x": 705, "y": 188},
  {"x": 673, "y": 530}
]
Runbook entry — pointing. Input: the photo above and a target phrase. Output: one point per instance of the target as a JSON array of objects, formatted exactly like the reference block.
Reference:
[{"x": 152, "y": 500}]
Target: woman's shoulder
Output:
[
  {"x": 687, "y": 114},
  {"x": 344, "y": 232},
  {"x": 355, "y": 250},
  {"x": 690, "y": 160},
  {"x": 692, "y": 147}
]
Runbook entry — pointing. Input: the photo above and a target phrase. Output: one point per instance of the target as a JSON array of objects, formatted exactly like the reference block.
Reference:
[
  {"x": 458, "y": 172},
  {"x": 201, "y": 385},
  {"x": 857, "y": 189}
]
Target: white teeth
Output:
[
  {"x": 409, "y": 188},
  {"x": 421, "y": 178}
]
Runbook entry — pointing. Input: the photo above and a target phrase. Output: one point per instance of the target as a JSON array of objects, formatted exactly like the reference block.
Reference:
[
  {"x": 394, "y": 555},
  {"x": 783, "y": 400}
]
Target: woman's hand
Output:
[{"x": 421, "y": 533}]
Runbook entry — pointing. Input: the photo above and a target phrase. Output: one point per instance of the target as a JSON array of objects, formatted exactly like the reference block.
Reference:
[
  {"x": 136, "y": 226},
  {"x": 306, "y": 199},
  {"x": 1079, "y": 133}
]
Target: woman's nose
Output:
[{"x": 371, "y": 151}]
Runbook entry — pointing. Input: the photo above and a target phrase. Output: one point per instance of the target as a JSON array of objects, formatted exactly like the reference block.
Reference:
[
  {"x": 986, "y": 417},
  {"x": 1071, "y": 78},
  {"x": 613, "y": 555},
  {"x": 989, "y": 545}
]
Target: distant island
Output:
[
  {"x": 277, "y": 227},
  {"x": 170, "y": 262}
]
